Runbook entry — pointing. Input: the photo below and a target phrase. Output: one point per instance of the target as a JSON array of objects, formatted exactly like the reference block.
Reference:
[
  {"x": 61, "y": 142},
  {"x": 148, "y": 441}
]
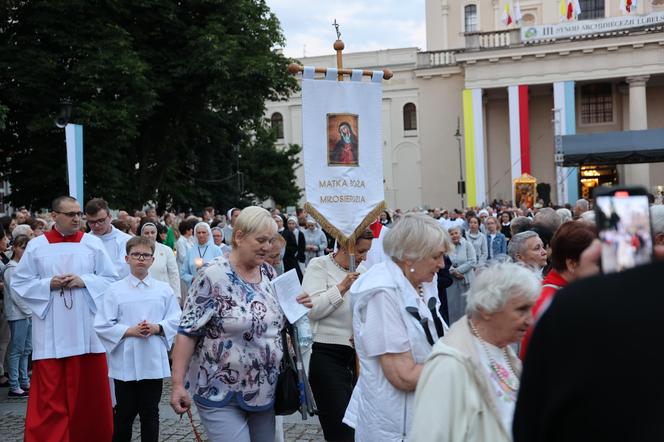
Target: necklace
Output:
[
  {"x": 69, "y": 304},
  {"x": 493, "y": 364},
  {"x": 204, "y": 251},
  {"x": 339, "y": 266}
]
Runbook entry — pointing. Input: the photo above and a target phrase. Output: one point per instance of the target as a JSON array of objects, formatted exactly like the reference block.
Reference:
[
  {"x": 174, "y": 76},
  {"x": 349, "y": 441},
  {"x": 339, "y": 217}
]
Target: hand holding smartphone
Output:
[{"x": 623, "y": 220}]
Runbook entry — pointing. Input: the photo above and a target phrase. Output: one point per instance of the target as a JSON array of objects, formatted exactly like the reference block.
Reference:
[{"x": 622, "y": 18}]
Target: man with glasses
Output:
[
  {"x": 61, "y": 278},
  {"x": 99, "y": 220}
]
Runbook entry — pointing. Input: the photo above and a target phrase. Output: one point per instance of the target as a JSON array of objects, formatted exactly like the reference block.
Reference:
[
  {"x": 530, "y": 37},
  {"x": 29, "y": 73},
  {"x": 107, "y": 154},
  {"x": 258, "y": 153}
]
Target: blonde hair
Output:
[
  {"x": 416, "y": 236},
  {"x": 253, "y": 219}
]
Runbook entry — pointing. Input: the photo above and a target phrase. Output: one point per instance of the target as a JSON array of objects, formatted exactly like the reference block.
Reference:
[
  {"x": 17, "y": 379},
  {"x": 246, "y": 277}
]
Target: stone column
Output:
[
  {"x": 637, "y": 174},
  {"x": 445, "y": 10}
]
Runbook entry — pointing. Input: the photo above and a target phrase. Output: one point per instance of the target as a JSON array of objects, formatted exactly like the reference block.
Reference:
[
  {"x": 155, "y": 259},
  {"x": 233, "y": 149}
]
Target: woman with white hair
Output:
[
  {"x": 395, "y": 324},
  {"x": 315, "y": 241},
  {"x": 463, "y": 262},
  {"x": 468, "y": 388},
  {"x": 201, "y": 253}
]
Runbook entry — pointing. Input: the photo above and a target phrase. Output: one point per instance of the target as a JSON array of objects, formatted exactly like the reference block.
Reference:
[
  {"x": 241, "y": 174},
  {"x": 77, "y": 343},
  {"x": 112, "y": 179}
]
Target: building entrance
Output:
[{"x": 593, "y": 176}]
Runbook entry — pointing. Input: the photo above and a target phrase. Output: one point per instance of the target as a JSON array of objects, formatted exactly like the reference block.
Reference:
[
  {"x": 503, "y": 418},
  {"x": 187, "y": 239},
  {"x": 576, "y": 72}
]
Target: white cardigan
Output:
[
  {"x": 165, "y": 267},
  {"x": 453, "y": 400}
]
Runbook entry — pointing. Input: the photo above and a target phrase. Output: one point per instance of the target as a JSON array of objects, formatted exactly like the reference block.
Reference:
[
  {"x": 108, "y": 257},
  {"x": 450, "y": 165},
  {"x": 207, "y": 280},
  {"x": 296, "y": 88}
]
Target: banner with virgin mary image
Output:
[{"x": 343, "y": 155}]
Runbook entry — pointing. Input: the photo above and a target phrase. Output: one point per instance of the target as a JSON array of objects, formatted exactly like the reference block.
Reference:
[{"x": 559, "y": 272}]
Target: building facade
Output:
[{"x": 510, "y": 94}]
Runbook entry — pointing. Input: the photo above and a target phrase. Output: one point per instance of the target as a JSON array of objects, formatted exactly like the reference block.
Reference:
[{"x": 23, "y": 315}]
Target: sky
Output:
[{"x": 364, "y": 25}]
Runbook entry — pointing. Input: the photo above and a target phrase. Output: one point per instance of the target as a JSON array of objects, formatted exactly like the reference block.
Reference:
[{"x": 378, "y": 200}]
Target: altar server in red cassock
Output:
[{"x": 61, "y": 277}]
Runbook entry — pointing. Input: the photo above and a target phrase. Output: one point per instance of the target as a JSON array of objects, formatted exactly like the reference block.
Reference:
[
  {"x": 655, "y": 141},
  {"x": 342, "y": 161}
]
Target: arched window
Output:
[
  {"x": 277, "y": 123},
  {"x": 409, "y": 117},
  {"x": 470, "y": 18}
]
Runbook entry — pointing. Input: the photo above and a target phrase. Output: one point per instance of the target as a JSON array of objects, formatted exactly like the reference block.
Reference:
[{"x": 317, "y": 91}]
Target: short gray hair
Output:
[
  {"x": 547, "y": 217},
  {"x": 588, "y": 217},
  {"x": 415, "y": 237},
  {"x": 520, "y": 224},
  {"x": 565, "y": 214},
  {"x": 582, "y": 204},
  {"x": 517, "y": 244},
  {"x": 657, "y": 214},
  {"x": 22, "y": 229},
  {"x": 252, "y": 219},
  {"x": 496, "y": 284}
]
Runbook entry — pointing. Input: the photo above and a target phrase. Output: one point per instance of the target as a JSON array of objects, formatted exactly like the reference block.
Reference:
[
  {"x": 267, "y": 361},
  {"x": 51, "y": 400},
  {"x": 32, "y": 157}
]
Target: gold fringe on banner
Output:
[{"x": 346, "y": 241}]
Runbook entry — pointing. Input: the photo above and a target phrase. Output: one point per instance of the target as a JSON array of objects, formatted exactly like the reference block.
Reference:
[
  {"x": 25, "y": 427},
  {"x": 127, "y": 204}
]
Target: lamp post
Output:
[{"x": 461, "y": 185}]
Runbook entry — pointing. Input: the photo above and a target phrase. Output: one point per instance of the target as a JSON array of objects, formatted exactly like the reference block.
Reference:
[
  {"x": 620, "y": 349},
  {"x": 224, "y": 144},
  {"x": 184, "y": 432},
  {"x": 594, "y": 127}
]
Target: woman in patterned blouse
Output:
[{"x": 228, "y": 347}]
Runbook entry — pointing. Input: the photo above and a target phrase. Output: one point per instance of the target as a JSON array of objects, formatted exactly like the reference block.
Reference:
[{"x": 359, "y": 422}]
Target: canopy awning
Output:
[{"x": 633, "y": 146}]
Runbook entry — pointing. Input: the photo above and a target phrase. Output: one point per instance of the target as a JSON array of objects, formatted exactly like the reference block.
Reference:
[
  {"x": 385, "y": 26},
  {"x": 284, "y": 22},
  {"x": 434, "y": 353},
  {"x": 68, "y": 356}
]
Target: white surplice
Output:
[
  {"x": 62, "y": 321},
  {"x": 127, "y": 303},
  {"x": 115, "y": 243}
]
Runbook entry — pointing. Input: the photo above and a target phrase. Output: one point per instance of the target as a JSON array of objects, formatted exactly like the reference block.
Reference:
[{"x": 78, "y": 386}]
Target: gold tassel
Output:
[{"x": 347, "y": 241}]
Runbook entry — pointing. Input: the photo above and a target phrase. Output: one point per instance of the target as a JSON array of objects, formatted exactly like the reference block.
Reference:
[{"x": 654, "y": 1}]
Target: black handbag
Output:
[{"x": 287, "y": 394}]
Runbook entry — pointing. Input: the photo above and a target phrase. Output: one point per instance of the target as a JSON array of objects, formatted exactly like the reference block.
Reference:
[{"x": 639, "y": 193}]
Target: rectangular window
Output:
[
  {"x": 591, "y": 9},
  {"x": 470, "y": 18},
  {"x": 597, "y": 103}
]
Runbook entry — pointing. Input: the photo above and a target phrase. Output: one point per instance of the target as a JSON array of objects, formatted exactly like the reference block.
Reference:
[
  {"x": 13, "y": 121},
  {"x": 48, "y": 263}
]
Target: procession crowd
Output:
[{"x": 418, "y": 331}]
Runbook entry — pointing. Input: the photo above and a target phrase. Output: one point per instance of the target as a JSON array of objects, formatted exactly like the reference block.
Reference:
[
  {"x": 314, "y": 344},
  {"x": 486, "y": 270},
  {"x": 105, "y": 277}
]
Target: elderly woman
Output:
[
  {"x": 463, "y": 262},
  {"x": 571, "y": 239},
  {"x": 201, "y": 253},
  {"x": 332, "y": 370},
  {"x": 315, "y": 241},
  {"x": 496, "y": 242},
  {"x": 475, "y": 236},
  {"x": 218, "y": 239},
  {"x": 468, "y": 388},
  {"x": 229, "y": 347},
  {"x": 528, "y": 249},
  {"x": 164, "y": 267},
  {"x": 395, "y": 323}
]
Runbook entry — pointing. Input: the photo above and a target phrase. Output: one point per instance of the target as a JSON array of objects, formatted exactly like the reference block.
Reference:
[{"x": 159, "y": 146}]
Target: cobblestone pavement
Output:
[{"x": 172, "y": 428}]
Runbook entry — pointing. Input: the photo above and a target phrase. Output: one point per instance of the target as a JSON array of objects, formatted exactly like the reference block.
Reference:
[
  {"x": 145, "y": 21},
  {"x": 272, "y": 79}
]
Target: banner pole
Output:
[{"x": 339, "y": 47}]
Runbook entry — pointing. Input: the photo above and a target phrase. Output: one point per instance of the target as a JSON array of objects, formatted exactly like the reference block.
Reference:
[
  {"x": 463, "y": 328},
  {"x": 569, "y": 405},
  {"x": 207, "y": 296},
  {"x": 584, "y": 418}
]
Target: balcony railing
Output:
[
  {"x": 493, "y": 40},
  {"x": 432, "y": 59}
]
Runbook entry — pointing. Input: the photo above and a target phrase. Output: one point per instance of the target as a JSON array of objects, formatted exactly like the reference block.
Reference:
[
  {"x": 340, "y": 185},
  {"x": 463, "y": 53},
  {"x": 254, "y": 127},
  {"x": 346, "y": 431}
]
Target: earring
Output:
[{"x": 412, "y": 270}]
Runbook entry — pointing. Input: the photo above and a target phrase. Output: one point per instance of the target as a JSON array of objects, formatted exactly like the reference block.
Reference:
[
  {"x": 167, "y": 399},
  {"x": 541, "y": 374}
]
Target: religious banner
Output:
[
  {"x": 343, "y": 160},
  {"x": 74, "y": 140}
]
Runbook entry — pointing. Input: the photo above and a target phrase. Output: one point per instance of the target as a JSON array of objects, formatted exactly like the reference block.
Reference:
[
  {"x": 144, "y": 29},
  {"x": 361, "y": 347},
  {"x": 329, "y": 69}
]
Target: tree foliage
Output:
[{"x": 170, "y": 93}]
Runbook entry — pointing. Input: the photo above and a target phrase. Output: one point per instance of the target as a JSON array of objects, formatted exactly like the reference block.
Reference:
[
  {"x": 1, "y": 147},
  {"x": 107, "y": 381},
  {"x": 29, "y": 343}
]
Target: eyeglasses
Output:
[
  {"x": 70, "y": 214},
  {"x": 97, "y": 221},
  {"x": 141, "y": 256}
]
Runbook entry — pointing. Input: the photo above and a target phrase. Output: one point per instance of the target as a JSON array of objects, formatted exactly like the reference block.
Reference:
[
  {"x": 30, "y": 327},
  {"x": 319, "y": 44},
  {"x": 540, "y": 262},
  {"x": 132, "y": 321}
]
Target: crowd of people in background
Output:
[{"x": 444, "y": 303}]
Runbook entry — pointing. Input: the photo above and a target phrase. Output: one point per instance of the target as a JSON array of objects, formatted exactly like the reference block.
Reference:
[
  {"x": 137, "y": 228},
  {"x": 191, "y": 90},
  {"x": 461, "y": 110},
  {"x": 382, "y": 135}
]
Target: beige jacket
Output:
[{"x": 453, "y": 400}]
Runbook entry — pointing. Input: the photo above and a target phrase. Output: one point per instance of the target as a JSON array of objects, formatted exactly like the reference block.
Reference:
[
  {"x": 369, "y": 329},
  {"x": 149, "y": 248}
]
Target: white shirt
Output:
[
  {"x": 376, "y": 253},
  {"x": 448, "y": 224},
  {"x": 126, "y": 303},
  {"x": 182, "y": 247},
  {"x": 61, "y": 330},
  {"x": 165, "y": 268},
  {"x": 115, "y": 243}
]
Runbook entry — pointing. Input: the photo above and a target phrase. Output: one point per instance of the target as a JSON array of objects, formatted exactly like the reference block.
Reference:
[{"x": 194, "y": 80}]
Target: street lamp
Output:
[
  {"x": 65, "y": 113},
  {"x": 461, "y": 185}
]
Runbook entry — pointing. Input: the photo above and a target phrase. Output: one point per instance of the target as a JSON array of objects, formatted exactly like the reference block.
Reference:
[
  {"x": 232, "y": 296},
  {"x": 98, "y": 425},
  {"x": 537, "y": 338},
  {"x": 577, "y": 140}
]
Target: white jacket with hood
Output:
[{"x": 377, "y": 410}]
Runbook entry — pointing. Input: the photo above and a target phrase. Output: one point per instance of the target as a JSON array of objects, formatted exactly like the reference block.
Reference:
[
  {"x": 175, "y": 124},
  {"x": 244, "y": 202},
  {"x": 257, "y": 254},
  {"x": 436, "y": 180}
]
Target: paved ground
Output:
[{"x": 172, "y": 428}]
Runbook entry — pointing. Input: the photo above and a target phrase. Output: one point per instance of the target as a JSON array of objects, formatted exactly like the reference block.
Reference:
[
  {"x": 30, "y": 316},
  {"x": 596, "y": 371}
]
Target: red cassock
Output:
[{"x": 69, "y": 400}]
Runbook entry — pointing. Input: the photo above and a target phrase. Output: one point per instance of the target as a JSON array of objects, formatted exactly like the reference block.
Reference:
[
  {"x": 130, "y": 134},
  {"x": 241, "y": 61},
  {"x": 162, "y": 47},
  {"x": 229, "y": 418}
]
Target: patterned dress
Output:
[{"x": 238, "y": 328}]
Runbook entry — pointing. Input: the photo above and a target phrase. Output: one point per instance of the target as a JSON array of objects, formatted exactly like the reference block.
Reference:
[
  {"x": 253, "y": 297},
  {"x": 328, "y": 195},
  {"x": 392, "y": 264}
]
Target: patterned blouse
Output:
[{"x": 239, "y": 347}]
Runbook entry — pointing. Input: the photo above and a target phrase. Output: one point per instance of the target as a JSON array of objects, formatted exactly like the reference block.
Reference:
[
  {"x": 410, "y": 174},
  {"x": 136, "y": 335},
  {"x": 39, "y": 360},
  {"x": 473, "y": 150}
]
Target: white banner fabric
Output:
[{"x": 343, "y": 155}]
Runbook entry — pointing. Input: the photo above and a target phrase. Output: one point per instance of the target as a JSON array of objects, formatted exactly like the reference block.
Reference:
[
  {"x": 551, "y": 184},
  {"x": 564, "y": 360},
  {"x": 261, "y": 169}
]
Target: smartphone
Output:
[{"x": 623, "y": 220}]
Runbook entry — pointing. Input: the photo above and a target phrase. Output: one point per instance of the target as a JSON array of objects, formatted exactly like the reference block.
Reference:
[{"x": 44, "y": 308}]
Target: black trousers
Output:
[
  {"x": 137, "y": 397},
  {"x": 332, "y": 378}
]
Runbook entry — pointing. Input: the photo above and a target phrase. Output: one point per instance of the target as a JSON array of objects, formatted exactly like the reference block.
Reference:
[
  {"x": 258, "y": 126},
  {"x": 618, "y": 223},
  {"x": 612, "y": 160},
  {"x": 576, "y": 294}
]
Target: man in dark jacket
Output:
[
  {"x": 295, "y": 246},
  {"x": 593, "y": 371}
]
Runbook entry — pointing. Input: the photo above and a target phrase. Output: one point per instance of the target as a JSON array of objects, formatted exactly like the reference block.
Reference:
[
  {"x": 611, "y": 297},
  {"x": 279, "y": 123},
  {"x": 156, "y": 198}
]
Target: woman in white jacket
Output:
[
  {"x": 165, "y": 267},
  {"x": 468, "y": 388},
  {"x": 395, "y": 323}
]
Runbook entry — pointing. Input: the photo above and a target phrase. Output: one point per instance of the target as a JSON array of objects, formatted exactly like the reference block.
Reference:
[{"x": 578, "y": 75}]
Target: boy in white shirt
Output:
[{"x": 137, "y": 322}]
